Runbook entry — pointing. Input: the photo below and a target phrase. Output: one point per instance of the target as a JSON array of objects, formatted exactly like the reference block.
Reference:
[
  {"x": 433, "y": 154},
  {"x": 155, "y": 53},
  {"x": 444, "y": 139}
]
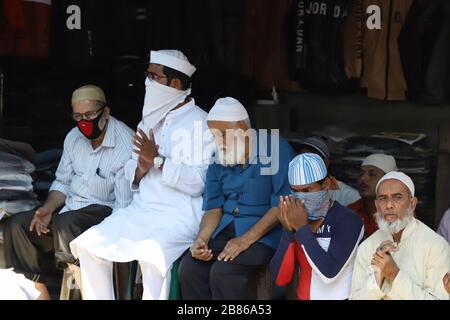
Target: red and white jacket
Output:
[{"x": 325, "y": 258}]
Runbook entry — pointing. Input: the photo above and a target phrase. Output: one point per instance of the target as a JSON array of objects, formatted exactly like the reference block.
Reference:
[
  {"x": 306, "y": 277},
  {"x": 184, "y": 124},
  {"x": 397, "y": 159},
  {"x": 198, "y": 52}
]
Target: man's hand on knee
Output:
[
  {"x": 234, "y": 248},
  {"x": 41, "y": 220}
]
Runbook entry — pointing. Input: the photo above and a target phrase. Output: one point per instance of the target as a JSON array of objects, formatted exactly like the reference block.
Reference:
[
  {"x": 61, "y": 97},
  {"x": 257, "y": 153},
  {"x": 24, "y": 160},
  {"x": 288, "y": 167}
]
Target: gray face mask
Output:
[{"x": 316, "y": 203}]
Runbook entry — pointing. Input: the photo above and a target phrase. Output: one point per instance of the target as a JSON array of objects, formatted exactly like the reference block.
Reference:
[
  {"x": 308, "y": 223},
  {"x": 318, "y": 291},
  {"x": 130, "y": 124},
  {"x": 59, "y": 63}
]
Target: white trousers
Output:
[{"x": 97, "y": 279}]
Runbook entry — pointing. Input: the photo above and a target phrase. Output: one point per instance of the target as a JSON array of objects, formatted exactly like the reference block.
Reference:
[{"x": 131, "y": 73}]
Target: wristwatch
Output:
[{"x": 158, "y": 162}]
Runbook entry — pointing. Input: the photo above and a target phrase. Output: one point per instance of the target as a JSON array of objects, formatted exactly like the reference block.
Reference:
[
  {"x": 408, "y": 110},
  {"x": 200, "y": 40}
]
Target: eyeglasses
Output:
[
  {"x": 153, "y": 76},
  {"x": 91, "y": 115}
]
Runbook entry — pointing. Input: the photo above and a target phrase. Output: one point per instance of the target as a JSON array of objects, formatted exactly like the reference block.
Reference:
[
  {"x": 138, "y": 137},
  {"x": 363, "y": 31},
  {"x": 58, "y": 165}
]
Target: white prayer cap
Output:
[
  {"x": 306, "y": 168},
  {"x": 227, "y": 109},
  {"x": 400, "y": 176},
  {"x": 173, "y": 59},
  {"x": 381, "y": 161}
]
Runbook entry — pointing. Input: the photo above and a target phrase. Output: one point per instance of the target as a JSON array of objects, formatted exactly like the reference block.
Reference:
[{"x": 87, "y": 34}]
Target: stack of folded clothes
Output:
[
  {"x": 410, "y": 150},
  {"x": 16, "y": 184}
]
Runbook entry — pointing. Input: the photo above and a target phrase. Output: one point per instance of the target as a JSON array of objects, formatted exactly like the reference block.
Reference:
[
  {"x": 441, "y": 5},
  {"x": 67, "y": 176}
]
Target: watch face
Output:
[{"x": 158, "y": 161}]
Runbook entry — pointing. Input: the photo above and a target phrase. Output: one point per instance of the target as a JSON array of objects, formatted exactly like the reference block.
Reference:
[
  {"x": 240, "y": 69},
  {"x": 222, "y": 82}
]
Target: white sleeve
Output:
[
  {"x": 364, "y": 284},
  {"x": 437, "y": 264},
  {"x": 189, "y": 175},
  {"x": 130, "y": 167}
]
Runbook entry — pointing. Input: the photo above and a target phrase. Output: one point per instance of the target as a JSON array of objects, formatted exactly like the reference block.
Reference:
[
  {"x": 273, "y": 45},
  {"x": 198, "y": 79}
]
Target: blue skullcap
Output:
[{"x": 306, "y": 168}]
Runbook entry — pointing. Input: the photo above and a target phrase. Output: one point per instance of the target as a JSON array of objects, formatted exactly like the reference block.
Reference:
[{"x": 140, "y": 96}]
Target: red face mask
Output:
[{"x": 89, "y": 128}]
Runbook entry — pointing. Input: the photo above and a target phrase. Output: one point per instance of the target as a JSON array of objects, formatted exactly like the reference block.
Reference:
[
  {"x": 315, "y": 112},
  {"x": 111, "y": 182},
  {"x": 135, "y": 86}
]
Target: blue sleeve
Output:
[
  {"x": 280, "y": 182},
  {"x": 343, "y": 245},
  {"x": 213, "y": 196},
  {"x": 277, "y": 259}
]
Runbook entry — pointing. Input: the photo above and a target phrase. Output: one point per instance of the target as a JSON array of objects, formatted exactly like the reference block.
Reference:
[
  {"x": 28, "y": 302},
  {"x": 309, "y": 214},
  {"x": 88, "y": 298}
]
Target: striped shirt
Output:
[{"x": 87, "y": 176}]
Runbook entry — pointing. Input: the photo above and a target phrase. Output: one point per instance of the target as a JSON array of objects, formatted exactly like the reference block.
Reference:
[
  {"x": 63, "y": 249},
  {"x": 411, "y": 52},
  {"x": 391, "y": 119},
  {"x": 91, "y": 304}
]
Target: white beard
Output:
[
  {"x": 232, "y": 156},
  {"x": 398, "y": 225}
]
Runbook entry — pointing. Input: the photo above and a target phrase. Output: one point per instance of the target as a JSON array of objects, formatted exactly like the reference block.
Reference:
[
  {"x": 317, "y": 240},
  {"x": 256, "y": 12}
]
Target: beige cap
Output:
[{"x": 88, "y": 92}]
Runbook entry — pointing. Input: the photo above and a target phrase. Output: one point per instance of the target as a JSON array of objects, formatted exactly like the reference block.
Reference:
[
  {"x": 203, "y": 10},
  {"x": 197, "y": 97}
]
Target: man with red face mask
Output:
[{"x": 89, "y": 184}]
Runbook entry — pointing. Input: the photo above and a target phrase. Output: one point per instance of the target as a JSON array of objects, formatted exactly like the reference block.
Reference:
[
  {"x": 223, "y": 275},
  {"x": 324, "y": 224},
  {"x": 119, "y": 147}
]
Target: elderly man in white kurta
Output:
[
  {"x": 173, "y": 148},
  {"x": 404, "y": 259}
]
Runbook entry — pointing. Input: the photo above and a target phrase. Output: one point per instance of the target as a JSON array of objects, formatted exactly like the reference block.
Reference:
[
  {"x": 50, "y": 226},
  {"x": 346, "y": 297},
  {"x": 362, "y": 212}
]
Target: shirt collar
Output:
[
  {"x": 409, "y": 229},
  {"x": 109, "y": 141},
  {"x": 186, "y": 107}
]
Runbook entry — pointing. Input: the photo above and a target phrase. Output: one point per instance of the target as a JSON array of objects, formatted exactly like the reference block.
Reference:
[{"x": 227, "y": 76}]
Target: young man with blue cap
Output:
[{"x": 320, "y": 235}]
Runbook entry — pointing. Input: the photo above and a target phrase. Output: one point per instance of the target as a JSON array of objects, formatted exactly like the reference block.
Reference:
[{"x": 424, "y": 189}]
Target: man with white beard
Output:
[
  {"x": 404, "y": 259},
  {"x": 239, "y": 231},
  {"x": 173, "y": 148}
]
